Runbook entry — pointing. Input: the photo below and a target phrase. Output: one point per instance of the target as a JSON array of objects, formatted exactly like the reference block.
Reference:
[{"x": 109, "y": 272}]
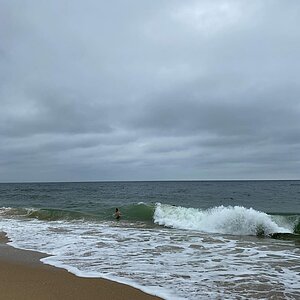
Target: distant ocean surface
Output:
[{"x": 177, "y": 240}]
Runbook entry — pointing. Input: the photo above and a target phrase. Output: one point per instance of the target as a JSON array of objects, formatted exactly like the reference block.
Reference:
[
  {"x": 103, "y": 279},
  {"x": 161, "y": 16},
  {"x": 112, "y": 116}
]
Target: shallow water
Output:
[{"x": 177, "y": 252}]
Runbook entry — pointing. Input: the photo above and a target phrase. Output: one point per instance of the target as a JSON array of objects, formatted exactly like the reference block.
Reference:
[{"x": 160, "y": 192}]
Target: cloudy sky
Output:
[{"x": 149, "y": 90}]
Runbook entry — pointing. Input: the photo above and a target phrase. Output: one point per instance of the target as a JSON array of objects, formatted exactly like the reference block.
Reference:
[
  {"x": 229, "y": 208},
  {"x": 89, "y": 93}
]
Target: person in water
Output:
[{"x": 117, "y": 214}]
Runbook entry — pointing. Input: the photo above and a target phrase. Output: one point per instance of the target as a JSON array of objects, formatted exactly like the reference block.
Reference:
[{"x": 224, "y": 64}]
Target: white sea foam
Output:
[
  {"x": 235, "y": 220},
  {"x": 170, "y": 263}
]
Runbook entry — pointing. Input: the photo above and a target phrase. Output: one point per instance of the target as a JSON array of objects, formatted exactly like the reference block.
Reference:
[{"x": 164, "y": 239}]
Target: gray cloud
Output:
[{"x": 131, "y": 90}]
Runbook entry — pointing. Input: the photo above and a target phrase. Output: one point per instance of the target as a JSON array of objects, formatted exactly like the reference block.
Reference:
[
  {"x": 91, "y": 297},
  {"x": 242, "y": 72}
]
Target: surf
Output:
[{"x": 232, "y": 220}]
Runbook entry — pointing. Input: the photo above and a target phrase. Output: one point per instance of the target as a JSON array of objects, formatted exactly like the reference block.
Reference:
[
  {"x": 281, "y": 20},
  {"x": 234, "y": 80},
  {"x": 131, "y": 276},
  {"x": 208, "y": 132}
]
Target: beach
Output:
[
  {"x": 175, "y": 240},
  {"x": 23, "y": 276}
]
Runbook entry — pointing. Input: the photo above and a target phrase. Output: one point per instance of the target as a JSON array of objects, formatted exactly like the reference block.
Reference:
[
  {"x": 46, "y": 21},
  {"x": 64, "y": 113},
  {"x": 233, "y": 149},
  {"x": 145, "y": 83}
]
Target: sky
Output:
[{"x": 149, "y": 90}]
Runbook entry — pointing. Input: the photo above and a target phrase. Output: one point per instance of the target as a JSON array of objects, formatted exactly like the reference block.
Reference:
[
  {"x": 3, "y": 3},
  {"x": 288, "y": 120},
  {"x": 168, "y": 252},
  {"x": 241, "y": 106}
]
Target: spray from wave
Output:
[{"x": 235, "y": 220}]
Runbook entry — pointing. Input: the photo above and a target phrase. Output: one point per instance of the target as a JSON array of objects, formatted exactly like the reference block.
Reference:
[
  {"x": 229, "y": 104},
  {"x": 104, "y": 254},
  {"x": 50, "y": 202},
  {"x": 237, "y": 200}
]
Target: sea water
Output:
[{"x": 177, "y": 240}]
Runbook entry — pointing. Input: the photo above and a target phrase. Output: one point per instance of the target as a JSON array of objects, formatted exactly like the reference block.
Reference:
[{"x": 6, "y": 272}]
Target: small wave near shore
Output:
[{"x": 232, "y": 220}]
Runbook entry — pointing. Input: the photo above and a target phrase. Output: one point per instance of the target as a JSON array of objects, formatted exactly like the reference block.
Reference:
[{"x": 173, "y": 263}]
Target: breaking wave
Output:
[{"x": 233, "y": 220}]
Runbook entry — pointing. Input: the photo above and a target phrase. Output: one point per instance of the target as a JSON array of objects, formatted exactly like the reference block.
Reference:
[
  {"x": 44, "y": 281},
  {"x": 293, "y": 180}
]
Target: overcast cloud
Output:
[{"x": 149, "y": 90}]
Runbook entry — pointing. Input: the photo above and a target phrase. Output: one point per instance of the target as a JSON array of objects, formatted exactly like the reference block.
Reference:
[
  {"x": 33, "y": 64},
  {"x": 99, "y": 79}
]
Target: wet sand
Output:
[{"x": 23, "y": 276}]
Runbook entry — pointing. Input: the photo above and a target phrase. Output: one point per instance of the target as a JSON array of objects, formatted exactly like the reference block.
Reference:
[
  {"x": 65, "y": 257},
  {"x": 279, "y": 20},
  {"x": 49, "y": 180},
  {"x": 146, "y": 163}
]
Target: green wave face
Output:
[
  {"x": 297, "y": 228},
  {"x": 132, "y": 212},
  {"x": 290, "y": 220},
  {"x": 137, "y": 212},
  {"x": 56, "y": 214}
]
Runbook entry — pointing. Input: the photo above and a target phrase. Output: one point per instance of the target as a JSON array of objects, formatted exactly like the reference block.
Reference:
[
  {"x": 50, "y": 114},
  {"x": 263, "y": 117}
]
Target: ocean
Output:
[{"x": 175, "y": 239}]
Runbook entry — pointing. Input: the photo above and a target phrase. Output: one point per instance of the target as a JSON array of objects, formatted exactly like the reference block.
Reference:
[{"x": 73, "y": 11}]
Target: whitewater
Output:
[
  {"x": 228, "y": 220},
  {"x": 180, "y": 259},
  {"x": 174, "y": 251}
]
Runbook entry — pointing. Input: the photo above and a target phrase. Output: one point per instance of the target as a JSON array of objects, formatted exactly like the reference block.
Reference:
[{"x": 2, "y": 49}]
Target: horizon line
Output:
[{"x": 153, "y": 180}]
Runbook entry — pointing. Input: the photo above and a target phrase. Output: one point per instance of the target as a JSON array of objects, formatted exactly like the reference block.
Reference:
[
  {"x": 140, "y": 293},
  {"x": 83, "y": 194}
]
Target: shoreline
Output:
[{"x": 24, "y": 276}]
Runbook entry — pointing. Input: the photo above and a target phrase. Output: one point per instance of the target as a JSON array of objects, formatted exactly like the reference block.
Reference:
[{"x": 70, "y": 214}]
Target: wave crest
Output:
[{"x": 236, "y": 220}]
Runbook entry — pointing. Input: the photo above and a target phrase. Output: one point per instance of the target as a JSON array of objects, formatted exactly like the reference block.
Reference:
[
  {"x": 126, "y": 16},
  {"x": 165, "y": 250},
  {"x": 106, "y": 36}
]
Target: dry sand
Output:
[{"x": 23, "y": 276}]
